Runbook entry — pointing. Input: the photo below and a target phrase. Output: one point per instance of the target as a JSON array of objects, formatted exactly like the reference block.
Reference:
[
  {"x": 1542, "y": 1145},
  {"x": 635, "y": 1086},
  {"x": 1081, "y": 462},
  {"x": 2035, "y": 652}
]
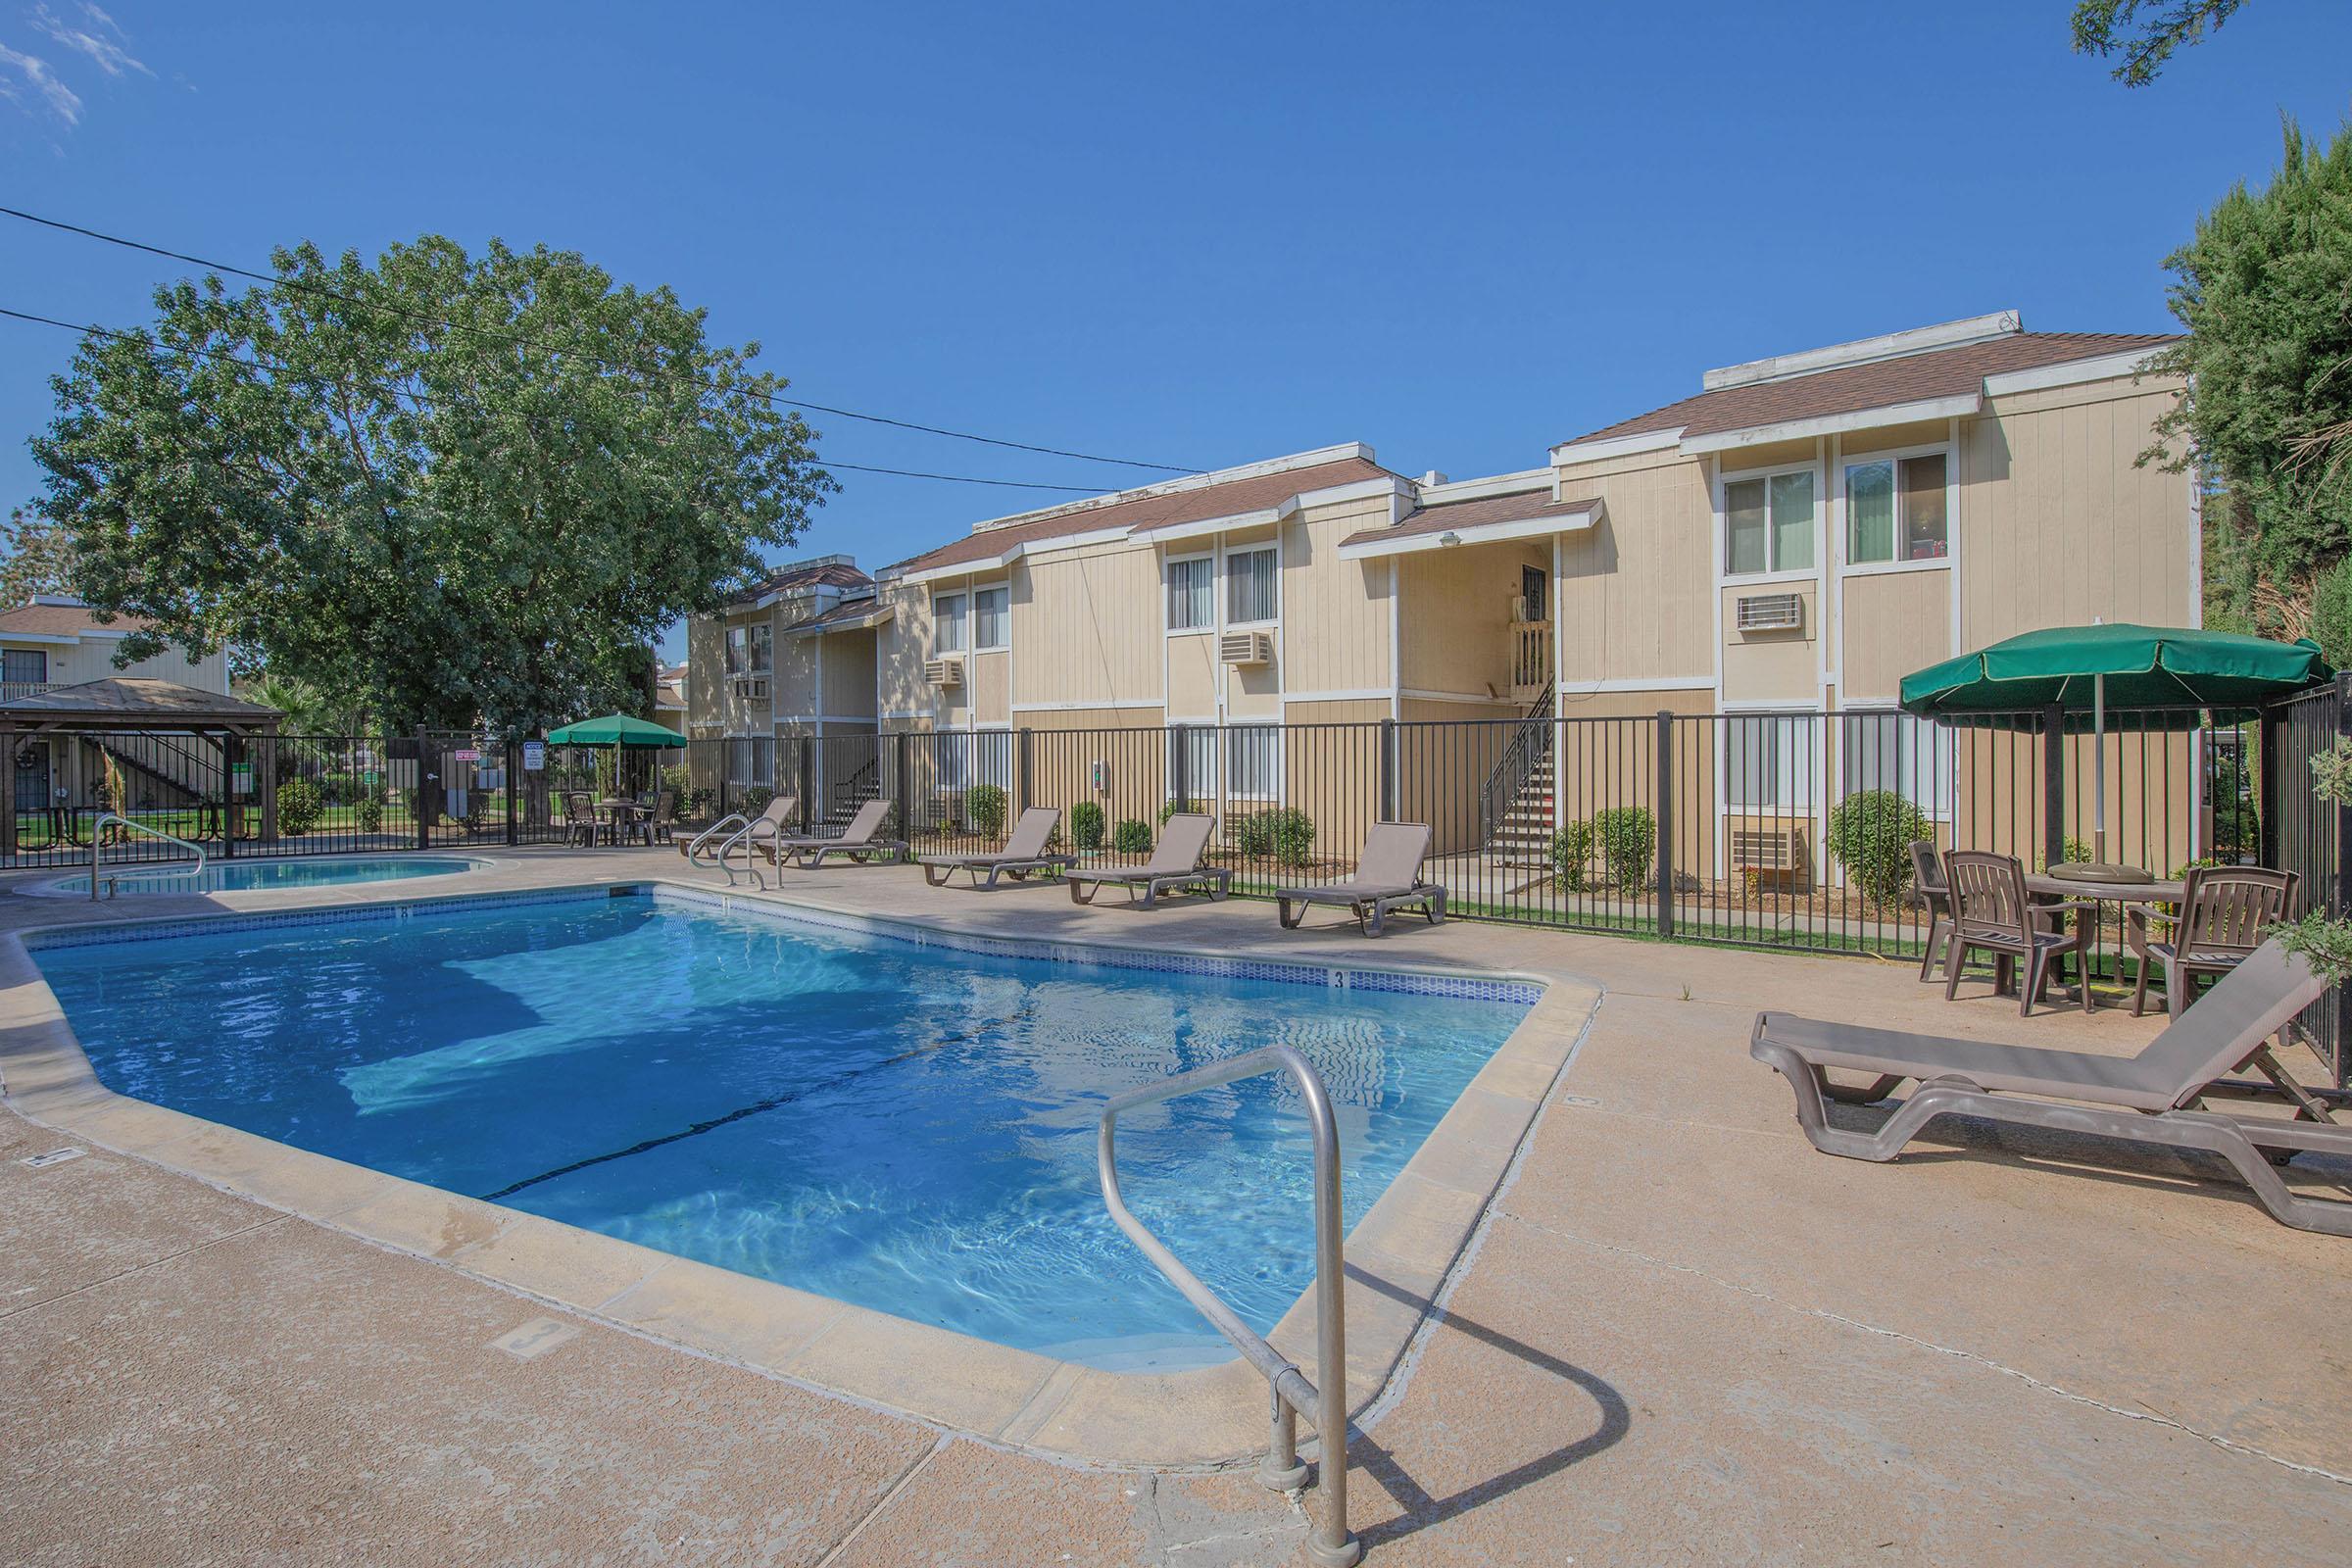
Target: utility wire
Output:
[
  {"x": 289, "y": 371},
  {"x": 276, "y": 281}
]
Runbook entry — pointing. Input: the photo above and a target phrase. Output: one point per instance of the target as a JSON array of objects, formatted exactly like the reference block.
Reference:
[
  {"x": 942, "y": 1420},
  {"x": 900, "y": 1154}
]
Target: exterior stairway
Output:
[{"x": 1516, "y": 805}]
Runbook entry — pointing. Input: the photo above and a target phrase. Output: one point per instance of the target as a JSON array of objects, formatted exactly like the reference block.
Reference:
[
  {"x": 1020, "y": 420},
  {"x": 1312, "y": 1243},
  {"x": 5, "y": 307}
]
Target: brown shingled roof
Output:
[
  {"x": 1145, "y": 513},
  {"x": 824, "y": 575},
  {"x": 1526, "y": 507},
  {"x": 1881, "y": 383},
  {"x": 63, "y": 620}
]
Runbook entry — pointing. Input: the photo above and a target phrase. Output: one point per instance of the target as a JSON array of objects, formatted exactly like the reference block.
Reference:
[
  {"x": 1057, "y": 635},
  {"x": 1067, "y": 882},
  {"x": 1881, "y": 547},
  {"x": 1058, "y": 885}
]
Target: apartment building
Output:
[{"x": 53, "y": 643}]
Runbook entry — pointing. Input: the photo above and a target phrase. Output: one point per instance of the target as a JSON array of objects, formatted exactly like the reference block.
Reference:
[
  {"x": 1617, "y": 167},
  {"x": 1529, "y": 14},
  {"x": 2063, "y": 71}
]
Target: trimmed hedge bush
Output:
[
  {"x": 1132, "y": 837},
  {"x": 755, "y": 800},
  {"x": 1086, "y": 824},
  {"x": 298, "y": 807},
  {"x": 1628, "y": 837},
  {"x": 1572, "y": 856},
  {"x": 372, "y": 815},
  {"x": 984, "y": 810},
  {"x": 1286, "y": 836},
  {"x": 1871, "y": 832}
]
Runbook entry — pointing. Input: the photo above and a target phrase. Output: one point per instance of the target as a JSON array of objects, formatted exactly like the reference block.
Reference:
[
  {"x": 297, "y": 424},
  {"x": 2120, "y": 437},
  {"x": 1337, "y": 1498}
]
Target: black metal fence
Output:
[{"x": 2311, "y": 837}]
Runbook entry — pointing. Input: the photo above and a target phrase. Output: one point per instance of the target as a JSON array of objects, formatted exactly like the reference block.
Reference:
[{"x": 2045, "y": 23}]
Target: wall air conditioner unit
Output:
[
  {"x": 1771, "y": 612},
  {"x": 752, "y": 688},
  {"x": 1246, "y": 648},
  {"x": 943, "y": 673}
]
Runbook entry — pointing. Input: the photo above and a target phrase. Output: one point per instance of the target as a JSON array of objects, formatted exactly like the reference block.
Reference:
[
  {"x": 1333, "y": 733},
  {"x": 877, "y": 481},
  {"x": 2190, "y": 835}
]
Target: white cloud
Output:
[
  {"x": 111, "y": 57},
  {"x": 62, "y": 101}
]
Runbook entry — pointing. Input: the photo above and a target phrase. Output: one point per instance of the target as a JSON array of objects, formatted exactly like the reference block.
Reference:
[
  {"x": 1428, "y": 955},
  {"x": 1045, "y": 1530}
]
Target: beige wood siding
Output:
[
  {"x": 1086, "y": 625},
  {"x": 2058, "y": 526},
  {"x": 1455, "y": 609},
  {"x": 795, "y": 684},
  {"x": 1894, "y": 623},
  {"x": 849, "y": 684},
  {"x": 706, "y": 658},
  {"x": 1193, "y": 676},
  {"x": 902, "y": 644},
  {"x": 1636, "y": 595},
  {"x": 1771, "y": 667},
  {"x": 987, "y": 687},
  {"x": 1335, "y": 613}
]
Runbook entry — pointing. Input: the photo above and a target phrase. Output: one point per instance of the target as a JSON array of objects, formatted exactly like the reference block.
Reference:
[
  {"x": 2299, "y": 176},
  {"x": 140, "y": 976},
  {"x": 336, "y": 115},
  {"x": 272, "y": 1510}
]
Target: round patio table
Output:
[
  {"x": 623, "y": 813},
  {"x": 2040, "y": 885}
]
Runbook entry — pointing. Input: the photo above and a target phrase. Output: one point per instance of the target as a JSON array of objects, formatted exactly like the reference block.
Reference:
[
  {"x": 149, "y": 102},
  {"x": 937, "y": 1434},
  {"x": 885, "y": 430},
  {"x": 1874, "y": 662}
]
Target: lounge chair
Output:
[
  {"x": 2154, "y": 1097},
  {"x": 861, "y": 841},
  {"x": 770, "y": 825},
  {"x": 1387, "y": 876},
  {"x": 2223, "y": 912},
  {"x": 1023, "y": 856},
  {"x": 1175, "y": 865}
]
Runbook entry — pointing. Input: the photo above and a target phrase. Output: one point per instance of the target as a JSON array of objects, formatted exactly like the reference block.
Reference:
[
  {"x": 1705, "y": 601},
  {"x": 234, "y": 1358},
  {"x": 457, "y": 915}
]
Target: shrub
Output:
[
  {"x": 1167, "y": 811},
  {"x": 339, "y": 789},
  {"x": 1628, "y": 836},
  {"x": 1086, "y": 824},
  {"x": 984, "y": 810},
  {"x": 1132, "y": 837},
  {"x": 372, "y": 815},
  {"x": 755, "y": 800},
  {"x": 1572, "y": 856},
  {"x": 298, "y": 807},
  {"x": 1871, "y": 832},
  {"x": 1283, "y": 835}
]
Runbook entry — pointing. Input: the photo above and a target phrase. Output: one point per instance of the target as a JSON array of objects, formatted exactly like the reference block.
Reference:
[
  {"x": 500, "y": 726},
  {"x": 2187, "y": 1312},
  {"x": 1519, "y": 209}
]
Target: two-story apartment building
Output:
[
  {"x": 52, "y": 644},
  {"x": 1788, "y": 541}
]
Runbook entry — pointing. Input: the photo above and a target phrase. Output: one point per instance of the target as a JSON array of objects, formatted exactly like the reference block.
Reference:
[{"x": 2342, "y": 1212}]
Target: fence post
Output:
[
  {"x": 2053, "y": 784},
  {"x": 232, "y": 752},
  {"x": 1023, "y": 758},
  {"x": 423, "y": 807},
  {"x": 1388, "y": 771},
  {"x": 513, "y": 774},
  {"x": 1665, "y": 821},
  {"x": 2342, "y": 904},
  {"x": 2269, "y": 728},
  {"x": 8, "y": 795}
]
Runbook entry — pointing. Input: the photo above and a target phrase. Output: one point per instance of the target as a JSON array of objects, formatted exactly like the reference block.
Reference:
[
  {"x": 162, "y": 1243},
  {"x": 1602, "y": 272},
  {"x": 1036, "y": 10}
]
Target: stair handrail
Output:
[
  {"x": 1529, "y": 744},
  {"x": 1291, "y": 1391},
  {"x": 694, "y": 845},
  {"x": 98, "y": 844}
]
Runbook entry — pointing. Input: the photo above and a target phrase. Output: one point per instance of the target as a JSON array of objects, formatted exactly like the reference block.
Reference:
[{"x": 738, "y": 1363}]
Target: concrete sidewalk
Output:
[{"x": 1682, "y": 1335}]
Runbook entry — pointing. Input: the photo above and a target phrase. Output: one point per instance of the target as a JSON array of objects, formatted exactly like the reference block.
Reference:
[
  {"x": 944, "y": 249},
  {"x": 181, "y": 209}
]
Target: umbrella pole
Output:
[{"x": 2098, "y": 768}]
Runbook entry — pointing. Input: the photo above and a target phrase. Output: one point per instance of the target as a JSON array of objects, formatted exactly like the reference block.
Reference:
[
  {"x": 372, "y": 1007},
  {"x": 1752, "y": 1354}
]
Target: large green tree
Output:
[
  {"x": 2265, "y": 290},
  {"x": 439, "y": 485},
  {"x": 37, "y": 557},
  {"x": 2146, "y": 41}
]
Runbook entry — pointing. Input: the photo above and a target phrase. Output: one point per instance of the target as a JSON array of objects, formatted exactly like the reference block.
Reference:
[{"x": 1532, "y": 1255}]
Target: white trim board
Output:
[{"x": 1575, "y": 521}]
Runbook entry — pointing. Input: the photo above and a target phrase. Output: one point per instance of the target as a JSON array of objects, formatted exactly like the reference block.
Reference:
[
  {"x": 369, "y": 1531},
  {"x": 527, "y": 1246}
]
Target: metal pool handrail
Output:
[
  {"x": 743, "y": 826},
  {"x": 98, "y": 842},
  {"x": 731, "y": 820},
  {"x": 1291, "y": 1393}
]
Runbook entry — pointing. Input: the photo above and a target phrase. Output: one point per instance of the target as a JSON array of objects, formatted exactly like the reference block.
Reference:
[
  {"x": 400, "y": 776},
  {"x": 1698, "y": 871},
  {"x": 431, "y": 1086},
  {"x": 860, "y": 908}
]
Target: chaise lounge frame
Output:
[
  {"x": 1023, "y": 856},
  {"x": 1387, "y": 878},
  {"x": 1174, "y": 867},
  {"x": 2158, "y": 1096},
  {"x": 861, "y": 841}
]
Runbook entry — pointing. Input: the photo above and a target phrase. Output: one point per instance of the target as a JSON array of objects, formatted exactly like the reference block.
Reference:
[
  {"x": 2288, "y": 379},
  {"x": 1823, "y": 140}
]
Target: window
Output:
[
  {"x": 992, "y": 757},
  {"x": 1915, "y": 757},
  {"x": 1253, "y": 762},
  {"x": 1193, "y": 764},
  {"x": 1189, "y": 584},
  {"x": 750, "y": 760},
  {"x": 1768, "y": 763},
  {"x": 736, "y": 638},
  {"x": 992, "y": 627},
  {"x": 23, "y": 666},
  {"x": 758, "y": 649},
  {"x": 1768, "y": 524},
  {"x": 1249, "y": 587},
  {"x": 1895, "y": 509},
  {"x": 946, "y": 624}
]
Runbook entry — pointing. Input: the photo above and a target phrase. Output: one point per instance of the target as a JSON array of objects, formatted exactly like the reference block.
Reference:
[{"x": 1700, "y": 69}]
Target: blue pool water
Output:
[
  {"x": 907, "y": 1127},
  {"x": 239, "y": 876}
]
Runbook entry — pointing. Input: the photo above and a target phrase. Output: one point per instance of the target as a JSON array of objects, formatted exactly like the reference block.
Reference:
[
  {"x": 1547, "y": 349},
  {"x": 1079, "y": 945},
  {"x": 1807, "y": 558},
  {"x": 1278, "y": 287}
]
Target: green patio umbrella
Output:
[
  {"x": 615, "y": 730},
  {"x": 2172, "y": 675}
]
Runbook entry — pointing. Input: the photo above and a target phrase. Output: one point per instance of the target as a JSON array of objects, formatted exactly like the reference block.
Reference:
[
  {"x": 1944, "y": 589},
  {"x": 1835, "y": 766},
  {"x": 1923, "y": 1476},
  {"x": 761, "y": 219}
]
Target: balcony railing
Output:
[
  {"x": 15, "y": 691},
  {"x": 1531, "y": 659}
]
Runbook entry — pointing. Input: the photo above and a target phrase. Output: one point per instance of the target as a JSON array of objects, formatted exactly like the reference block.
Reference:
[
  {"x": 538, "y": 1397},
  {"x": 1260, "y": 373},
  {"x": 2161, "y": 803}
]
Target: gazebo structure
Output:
[{"x": 179, "y": 738}]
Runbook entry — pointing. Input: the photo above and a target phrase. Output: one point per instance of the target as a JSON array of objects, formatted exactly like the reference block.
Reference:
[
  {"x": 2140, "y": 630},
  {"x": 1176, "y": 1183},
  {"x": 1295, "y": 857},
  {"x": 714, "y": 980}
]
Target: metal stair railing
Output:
[
  {"x": 98, "y": 844},
  {"x": 1530, "y": 745},
  {"x": 1291, "y": 1393}
]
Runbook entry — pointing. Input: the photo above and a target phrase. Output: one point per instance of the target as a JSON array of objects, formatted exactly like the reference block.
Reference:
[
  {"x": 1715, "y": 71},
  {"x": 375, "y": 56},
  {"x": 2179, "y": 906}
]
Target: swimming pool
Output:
[
  {"x": 909, "y": 1127},
  {"x": 244, "y": 876}
]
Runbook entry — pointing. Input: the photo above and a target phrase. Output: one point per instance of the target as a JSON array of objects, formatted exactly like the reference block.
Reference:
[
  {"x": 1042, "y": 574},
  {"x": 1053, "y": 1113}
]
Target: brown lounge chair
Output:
[
  {"x": 769, "y": 824},
  {"x": 1024, "y": 854},
  {"x": 1387, "y": 876},
  {"x": 861, "y": 841},
  {"x": 2154, "y": 1097},
  {"x": 1175, "y": 865}
]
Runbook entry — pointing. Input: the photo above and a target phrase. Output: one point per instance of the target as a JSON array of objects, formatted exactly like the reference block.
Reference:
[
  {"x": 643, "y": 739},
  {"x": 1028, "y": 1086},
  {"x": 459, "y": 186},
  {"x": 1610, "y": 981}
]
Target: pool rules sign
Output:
[{"x": 534, "y": 757}]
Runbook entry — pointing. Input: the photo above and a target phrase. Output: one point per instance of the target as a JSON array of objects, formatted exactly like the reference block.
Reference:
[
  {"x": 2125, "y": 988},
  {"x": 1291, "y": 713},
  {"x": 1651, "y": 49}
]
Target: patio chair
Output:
[
  {"x": 1388, "y": 878},
  {"x": 768, "y": 825},
  {"x": 2224, "y": 910},
  {"x": 1024, "y": 854},
  {"x": 579, "y": 819},
  {"x": 1175, "y": 865},
  {"x": 1991, "y": 913},
  {"x": 2158, "y": 1096},
  {"x": 1927, "y": 876},
  {"x": 861, "y": 841},
  {"x": 656, "y": 822}
]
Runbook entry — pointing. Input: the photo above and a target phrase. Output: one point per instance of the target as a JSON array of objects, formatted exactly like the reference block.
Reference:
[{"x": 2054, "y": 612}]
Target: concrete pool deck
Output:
[{"x": 1680, "y": 1334}]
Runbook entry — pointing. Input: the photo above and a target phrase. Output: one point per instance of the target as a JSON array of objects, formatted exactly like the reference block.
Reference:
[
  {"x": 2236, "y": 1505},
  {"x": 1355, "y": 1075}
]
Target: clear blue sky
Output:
[{"x": 1197, "y": 234}]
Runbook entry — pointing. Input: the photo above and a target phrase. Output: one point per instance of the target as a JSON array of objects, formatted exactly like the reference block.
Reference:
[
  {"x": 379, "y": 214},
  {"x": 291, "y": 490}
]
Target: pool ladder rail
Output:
[
  {"x": 98, "y": 844},
  {"x": 742, "y": 826},
  {"x": 1282, "y": 1470}
]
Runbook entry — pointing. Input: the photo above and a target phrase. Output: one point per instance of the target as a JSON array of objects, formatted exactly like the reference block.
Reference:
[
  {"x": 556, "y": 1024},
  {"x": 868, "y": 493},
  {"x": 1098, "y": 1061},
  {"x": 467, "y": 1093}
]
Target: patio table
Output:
[
  {"x": 2166, "y": 892},
  {"x": 622, "y": 815}
]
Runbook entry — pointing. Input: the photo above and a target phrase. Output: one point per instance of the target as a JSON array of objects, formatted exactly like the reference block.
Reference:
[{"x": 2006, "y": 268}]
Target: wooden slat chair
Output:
[
  {"x": 2225, "y": 912},
  {"x": 579, "y": 818},
  {"x": 1992, "y": 913},
  {"x": 1927, "y": 876}
]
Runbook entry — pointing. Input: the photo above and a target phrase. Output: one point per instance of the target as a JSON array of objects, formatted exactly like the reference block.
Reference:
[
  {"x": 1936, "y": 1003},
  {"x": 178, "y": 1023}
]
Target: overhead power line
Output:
[
  {"x": 277, "y": 369},
  {"x": 276, "y": 281}
]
